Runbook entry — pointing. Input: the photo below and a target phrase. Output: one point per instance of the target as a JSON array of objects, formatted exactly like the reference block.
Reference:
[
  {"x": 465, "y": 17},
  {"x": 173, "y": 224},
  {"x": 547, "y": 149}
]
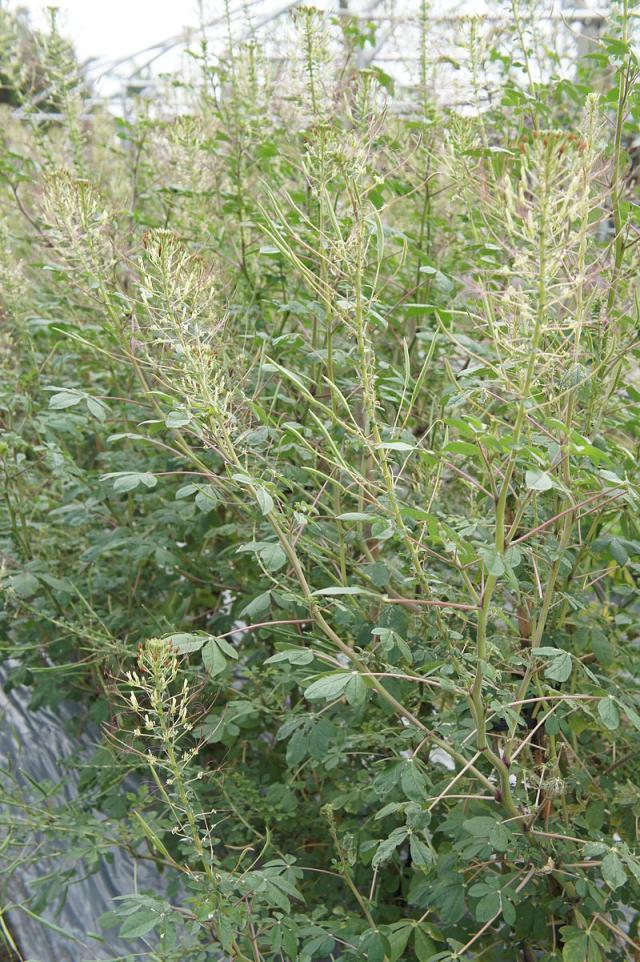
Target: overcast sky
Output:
[{"x": 115, "y": 28}]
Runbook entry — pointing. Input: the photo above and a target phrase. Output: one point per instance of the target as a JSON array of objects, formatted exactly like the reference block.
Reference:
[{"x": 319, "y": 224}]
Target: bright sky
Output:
[{"x": 109, "y": 29}]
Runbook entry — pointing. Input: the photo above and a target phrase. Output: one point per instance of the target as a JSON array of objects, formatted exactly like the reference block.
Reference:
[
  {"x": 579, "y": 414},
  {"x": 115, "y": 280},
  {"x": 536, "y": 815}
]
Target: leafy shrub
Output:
[{"x": 320, "y": 458}]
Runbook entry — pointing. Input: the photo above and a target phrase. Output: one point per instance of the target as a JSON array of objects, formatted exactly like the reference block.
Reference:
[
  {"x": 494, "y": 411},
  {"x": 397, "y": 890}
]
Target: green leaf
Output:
[
  {"x": 273, "y": 556},
  {"x": 508, "y": 911},
  {"x": 595, "y": 814},
  {"x": 618, "y": 551},
  {"x": 207, "y": 498},
  {"x": 500, "y": 838},
  {"x": 138, "y": 924},
  {"x": 378, "y": 572},
  {"x": 493, "y": 562},
  {"x": 264, "y": 500},
  {"x": 395, "y": 446},
  {"x": 417, "y": 514},
  {"x": 186, "y": 643},
  {"x": 602, "y": 648},
  {"x": 560, "y": 668},
  {"x": 421, "y": 854},
  {"x": 484, "y": 826},
  {"x": 442, "y": 284},
  {"x": 294, "y": 656},
  {"x": 480, "y": 825},
  {"x": 488, "y": 906},
  {"x": 213, "y": 659},
  {"x": 609, "y": 714},
  {"x": 398, "y": 937},
  {"x": 97, "y": 409},
  {"x": 390, "y": 639},
  {"x": 24, "y": 584},
  {"x": 413, "y": 782},
  {"x": 257, "y": 605},
  {"x": 329, "y": 686},
  {"x": 177, "y": 419},
  {"x": 576, "y": 949},
  {"x": 356, "y": 690},
  {"x": 226, "y": 647},
  {"x": 337, "y": 590},
  {"x": 109, "y": 920},
  {"x": 65, "y": 399},
  {"x": 242, "y": 478},
  {"x": 513, "y": 557},
  {"x": 424, "y": 946},
  {"x": 631, "y": 714},
  {"x": 374, "y": 945},
  {"x": 451, "y": 901},
  {"x": 129, "y": 480},
  {"x": 538, "y": 480},
  {"x": 186, "y": 491},
  {"x": 387, "y": 847},
  {"x": 463, "y": 447},
  {"x": 631, "y": 861},
  {"x": 613, "y": 871}
]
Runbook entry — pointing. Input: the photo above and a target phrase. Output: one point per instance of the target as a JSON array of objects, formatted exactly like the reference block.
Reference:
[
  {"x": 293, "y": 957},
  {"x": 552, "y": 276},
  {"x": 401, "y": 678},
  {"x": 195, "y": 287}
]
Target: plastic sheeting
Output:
[{"x": 36, "y": 744}]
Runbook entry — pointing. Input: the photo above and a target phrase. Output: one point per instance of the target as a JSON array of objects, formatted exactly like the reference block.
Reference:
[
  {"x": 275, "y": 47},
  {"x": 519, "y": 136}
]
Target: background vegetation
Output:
[{"x": 320, "y": 466}]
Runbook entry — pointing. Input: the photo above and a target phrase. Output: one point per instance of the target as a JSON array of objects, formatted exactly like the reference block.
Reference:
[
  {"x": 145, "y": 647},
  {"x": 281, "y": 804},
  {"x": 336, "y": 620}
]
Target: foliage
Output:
[{"x": 320, "y": 467}]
